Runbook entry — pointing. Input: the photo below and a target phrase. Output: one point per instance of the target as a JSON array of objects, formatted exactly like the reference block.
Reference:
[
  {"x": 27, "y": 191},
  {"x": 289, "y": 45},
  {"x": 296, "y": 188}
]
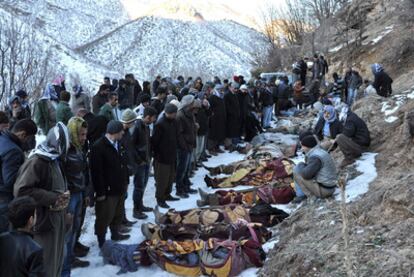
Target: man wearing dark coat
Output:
[
  {"x": 233, "y": 115},
  {"x": 217, "y": 125}
]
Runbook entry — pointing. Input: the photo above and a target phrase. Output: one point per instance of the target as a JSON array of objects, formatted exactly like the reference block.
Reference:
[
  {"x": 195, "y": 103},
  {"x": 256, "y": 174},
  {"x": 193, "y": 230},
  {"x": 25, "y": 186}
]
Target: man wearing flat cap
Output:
[{"x": 109, "y": 170}]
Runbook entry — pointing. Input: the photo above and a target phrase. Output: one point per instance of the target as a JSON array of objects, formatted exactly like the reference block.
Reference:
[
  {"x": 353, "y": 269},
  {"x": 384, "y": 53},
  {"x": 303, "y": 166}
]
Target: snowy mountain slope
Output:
[
  {"x": 63, "y": 60},
  {"x": 150, "y": 46},
  {"x": 72, "y": 23}
]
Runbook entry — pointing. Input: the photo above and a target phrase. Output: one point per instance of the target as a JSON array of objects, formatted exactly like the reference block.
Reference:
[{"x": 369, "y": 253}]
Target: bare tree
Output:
[
  {"x": 321, "y": 10},
  {"x": 23, "y": 63}
]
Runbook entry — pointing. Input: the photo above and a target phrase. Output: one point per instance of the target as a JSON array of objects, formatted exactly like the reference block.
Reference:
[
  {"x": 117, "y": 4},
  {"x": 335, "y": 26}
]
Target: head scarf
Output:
[
  {"x": 49, "y": 93},
  {"x": 58, "y": 80},
  {"x": 344, "y": 113},
  {"x": 332, "y": 113},
  {"x": 13, "y": 98},
  {"x": 56, "y": 143},
  {"x": 376, "y": 68},
  {"x": 74, "y": 127},
  {"x": 77, "y": 89}
]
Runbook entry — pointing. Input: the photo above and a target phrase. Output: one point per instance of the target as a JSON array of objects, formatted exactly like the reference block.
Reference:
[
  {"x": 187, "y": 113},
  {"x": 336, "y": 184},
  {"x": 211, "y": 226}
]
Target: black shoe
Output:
[
  {"x": 208, "y": 156},
  {"x": 139, "y": 215},
  {"x": 80, "y": 250},
  {"x": 79, "y": 263},
  {"x": 162, "y": 204},
  {"x": 204, "y": 159},
  {"x": 199, "y": 164},
  {"x": 298, "y": 199},
  {"x": 208, "y": 181},
  {"x": 191, "y": 191},
  {"x": 118, "y": 237},
  {"x": 146, "y": 209},
  {"x": 172, "y": 198},
  {"x": 128, "y": 223},
  {"x": 124, "y": 229},
  {"x": 182, "y": 194}
]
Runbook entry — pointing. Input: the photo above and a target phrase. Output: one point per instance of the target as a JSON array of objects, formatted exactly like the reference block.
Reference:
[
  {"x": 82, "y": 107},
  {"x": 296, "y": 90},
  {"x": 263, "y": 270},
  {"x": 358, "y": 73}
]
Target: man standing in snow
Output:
[
  {"x": 164, "y": 146},
  {"x": 317, "y": 176},
  {"x": 109, "y": 172}
]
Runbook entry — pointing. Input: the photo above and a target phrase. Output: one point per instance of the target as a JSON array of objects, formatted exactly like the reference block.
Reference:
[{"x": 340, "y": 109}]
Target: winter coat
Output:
[
  {"x": 202, "y": 118},
  {"x": 20, "y": 255},
  {"x": 187, "y": 132},
  {"x": 80, "y": 101},
  {"x": 324, "y": 66},
  {"x": 157, "y": 104},
  {"x": 42, "y": 179},
  {"x": 63, "y": 112},
  {"x": 11, "y": 158},
  {"x": 45, "y": 114},
  {"x": 319, "y": 166},
  {"x": 141, "y": 141},
  {"x": 233, "y": 115},
  {"x": 382, "y": 83},
  {"x": 125, "y": 96},
  {"x": 338, "y": 87},
  {"x": 155, "y": 86},
  {"x": 164, "y": 141},
  {"x": 316, "y": 70},
  {"x": 253, "y": 126},
  {"x": 137, "y": 93},
  {"x": 266, "y": 97},
  {"x": 23, "y": 114},
  {"x": 284, "y": 91},
  {"x": 107, "y": 111},
  {"x": 96, "y": 126},
  {"x": 98, "y": 100},
  {"x": 298, "y": 92},
  {"x": 335, "y": 128},
  {"x": 356, "y": 129},
  {"x": 109, "y": 168},
  {"x": 217, "y": 124},
  {"x": 128, "y": 146},
  {"x": 75, "y": 167}
]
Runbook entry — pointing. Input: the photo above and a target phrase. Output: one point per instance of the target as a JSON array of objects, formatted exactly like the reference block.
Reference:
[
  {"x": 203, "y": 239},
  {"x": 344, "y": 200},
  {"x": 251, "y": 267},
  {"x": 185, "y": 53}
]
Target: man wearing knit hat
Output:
[
  {"x": 318, "y": 175},
  {"x": 109, "y": 171},
  {"x": 164, "y": 146},
  {"x": 186, "y": 144}
]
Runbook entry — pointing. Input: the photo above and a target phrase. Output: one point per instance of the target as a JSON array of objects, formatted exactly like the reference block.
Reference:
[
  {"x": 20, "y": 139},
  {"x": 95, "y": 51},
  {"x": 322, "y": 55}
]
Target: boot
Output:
[
  {"x": 128, "y": 223},
  {"x": 80, "y": 250},
  {"x": 124, "y": 229},
  {"x": 139, "y": 214},
  {"x": 201, "y": 203},
  {"x": 172, "y": 198},
  {"x": 116, "y": 236},
  {"x": 162, "y": 204},
  {"x": 79, "y": 263},
  {"x": 146, "y": 209},
  {"x": 181, "y": 194},
  {"x": 208, "y": 181}
]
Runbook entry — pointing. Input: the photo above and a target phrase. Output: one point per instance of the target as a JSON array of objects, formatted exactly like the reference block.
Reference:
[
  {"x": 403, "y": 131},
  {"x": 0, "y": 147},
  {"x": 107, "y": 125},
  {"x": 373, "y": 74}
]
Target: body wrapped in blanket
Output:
[
  {"x": 268, "y": 172},
  {"x": 219, "y": 230},
  {"x": 248, "y": 197},
  {"x": 230, "y": 214}
]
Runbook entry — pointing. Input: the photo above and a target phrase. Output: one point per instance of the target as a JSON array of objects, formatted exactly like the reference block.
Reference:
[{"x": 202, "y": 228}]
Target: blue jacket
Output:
[{"x": 11, "y": 158}]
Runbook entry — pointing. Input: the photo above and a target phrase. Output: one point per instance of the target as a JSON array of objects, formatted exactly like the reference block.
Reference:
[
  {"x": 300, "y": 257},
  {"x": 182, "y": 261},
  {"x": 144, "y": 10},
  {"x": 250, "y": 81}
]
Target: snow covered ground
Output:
[{"x": 355, "y": 188}]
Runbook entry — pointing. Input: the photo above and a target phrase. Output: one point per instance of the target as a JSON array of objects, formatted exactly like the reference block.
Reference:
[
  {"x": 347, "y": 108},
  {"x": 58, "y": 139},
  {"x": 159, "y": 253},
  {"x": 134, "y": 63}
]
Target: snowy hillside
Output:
[
  {"x": 150, "y": 46},
  {"x": 72, "y": 23}
]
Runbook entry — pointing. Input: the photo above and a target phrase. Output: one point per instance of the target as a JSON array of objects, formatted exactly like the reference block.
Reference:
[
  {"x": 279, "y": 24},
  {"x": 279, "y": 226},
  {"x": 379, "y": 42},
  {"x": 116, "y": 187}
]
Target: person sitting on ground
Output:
[
  {"x": 20, "y": 255},
  {"x": 328, "y": 127},
  {"x": 355, "y": 138},
  {"x": 317, "y": 176}
]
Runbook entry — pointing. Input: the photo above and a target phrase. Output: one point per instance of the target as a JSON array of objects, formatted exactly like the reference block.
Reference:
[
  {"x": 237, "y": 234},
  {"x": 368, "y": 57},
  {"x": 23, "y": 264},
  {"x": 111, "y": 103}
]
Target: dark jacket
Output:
[
  {"x": 96, "y": 126},
  {"x": 324, "y": 66},
  {"x": 382, "y": 83},
  {"x": 75, "y": 167},
  {"x": 23, "y": 114},
  {"x": 335, "y": 128},
  {"x": 310, "y": 169},
  {"x": 98, "y": 100},
  {"x": 63, "y": 112},
  {"x": 128, "y": 146},
  {"x": 233, "y": 116},
  {"x": 217, "y": 123},
  {"x": 11, "y": 159},
  {"x": 266, "y": 97},
  {"x": 164, "y": 141},
  {"x": 123, "y": 97},
  {"x": 20, "y": 256},
  {"x": 284, "y": 91},
  {"x": 141, "y": 152},
  {"x": 109, "y": 169},
  {"x": 186, "y": 130},
  {"x": 202, "y": 118},
  {"x": 157, "y": 104},
  {"x": 155, "y": 86},
  {"x": 356, "y": 129}
]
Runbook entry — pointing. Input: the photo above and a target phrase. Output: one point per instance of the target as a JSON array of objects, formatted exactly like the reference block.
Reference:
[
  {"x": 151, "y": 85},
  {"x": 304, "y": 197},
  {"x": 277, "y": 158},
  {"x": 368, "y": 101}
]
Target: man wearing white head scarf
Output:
[{"x": 42, "y": 179}]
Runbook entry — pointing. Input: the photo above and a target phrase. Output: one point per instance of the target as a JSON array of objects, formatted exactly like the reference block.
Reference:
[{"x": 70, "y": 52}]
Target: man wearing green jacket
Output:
[
  {"x": 108, "y": 110},
  {"x": 63, "y": 111}
]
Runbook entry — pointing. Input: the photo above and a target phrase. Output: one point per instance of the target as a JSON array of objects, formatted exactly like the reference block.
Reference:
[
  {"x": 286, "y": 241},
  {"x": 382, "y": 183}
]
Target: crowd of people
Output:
[{"x": 93, "y": 146}]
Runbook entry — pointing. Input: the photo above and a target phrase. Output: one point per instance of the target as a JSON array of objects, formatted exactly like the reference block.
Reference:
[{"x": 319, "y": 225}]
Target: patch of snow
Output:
[
  {"x": 388, "y": 30},
  {"x": 391, "y": 119},
  {"x": 269, "y": 245},
  {"x": 332, "y": 222},
  {"x": 337, "y": 48},
  {"x": 359, "y": 185},
  {"x": 411, "y": 95}
]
